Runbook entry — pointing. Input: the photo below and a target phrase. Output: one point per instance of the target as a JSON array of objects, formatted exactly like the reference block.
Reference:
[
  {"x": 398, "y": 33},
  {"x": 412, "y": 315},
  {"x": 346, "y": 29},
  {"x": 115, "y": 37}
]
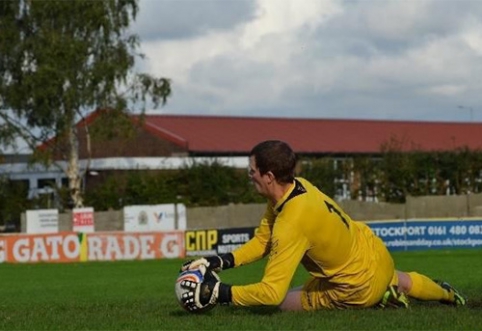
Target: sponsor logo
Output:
[
  {"x": 191, "y": 275},
  {"x": 159, "y": 216},
  {"x": 170, "y": 246},
  {"x": 142, "y": 218}
]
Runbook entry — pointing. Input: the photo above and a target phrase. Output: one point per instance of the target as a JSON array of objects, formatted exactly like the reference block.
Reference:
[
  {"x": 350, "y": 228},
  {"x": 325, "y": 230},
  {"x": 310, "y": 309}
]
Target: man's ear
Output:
[{"x": 271, "y": 177}]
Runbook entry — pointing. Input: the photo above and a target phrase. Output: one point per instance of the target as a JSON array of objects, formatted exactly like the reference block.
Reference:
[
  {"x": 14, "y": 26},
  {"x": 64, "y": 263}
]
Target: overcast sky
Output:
[{"x": 362, "y": 59}]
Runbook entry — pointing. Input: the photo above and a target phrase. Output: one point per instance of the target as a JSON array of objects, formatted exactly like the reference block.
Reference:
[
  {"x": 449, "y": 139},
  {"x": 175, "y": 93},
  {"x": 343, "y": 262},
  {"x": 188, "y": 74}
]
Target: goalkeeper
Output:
[{"x": 349, "y": 265}]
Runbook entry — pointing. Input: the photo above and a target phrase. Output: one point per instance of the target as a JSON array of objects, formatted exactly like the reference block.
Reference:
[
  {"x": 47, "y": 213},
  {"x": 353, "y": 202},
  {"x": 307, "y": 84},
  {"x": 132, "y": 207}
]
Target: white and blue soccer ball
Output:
[{"x": 197, "y": 276}]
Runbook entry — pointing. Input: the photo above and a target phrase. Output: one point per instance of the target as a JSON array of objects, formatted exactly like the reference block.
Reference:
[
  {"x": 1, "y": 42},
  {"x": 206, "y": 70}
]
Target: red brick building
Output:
[{"x": 184, "y": 135}]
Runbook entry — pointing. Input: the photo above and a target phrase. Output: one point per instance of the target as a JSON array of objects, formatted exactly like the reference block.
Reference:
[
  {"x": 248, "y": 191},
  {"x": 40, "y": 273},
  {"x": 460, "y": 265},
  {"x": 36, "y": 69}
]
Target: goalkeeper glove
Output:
[
  {"x": 214, "y": 262},
  {"x": 213, "y": 291},
  {"x": 203, "y": 296}
]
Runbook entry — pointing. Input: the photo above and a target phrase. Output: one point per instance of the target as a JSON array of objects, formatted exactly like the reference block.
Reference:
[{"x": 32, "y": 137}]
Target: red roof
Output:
[{"x": 225, "y": 135}]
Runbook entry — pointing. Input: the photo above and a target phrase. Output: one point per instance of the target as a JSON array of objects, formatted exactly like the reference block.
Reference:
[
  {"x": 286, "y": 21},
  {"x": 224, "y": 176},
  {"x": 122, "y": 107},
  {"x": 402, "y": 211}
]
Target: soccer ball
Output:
[{"x": 198, "y": 275}]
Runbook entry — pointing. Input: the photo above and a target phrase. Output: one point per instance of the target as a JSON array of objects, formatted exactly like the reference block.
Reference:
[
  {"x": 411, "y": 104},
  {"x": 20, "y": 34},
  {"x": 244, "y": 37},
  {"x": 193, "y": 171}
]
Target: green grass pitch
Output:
[{"x": 139, "y": 295}]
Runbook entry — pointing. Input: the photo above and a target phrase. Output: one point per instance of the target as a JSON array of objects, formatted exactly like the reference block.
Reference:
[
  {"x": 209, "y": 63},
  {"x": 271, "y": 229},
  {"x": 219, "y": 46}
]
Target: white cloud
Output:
[
  {"x": 326, "y": 58},
  {"x": 394, "y": 19},
  {"x": 285, "y": 17},
  {"x": 473, "y": 36},
  {"x": 446, "y": 90}
]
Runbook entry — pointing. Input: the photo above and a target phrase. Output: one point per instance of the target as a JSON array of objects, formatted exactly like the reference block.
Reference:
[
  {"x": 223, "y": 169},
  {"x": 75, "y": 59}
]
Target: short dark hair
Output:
[{"x": 275, "y": 156}]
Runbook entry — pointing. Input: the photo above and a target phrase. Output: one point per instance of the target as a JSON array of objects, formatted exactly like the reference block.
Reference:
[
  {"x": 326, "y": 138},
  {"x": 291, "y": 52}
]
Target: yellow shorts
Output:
[{"x": 319, "y": 293}]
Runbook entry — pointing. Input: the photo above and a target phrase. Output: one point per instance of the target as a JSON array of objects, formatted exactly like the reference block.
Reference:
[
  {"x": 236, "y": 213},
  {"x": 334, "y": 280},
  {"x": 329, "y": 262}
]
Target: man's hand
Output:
[
  {"x": 200, "y": 297},
  {"x": 210, "y": 262},
  {"x": 209, "y": 292},
  {"x": 204, "y": 296},
  {"x": 214, "y": 262}
]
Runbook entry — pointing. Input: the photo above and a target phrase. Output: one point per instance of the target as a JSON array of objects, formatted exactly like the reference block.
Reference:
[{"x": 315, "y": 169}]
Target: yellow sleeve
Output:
[
  {"x": 257, "y": 247},
  {"x": 288, "y": 246}
]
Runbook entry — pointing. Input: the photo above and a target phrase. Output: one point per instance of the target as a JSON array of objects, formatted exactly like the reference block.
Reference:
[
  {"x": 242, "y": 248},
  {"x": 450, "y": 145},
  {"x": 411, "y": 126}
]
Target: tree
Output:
[
  {"x": 61, "y": 60},
  {"x": 322, "y": 173}
]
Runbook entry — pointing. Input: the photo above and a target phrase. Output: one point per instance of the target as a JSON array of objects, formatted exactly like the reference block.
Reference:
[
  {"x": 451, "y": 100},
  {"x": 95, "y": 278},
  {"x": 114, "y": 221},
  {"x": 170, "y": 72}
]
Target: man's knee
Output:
[
  {"x": 292, "y": 301},
  {"x": 404, "y": 282}
]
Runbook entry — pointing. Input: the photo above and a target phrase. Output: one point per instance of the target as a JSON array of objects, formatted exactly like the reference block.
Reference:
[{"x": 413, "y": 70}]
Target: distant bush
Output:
[
  {"x": 13, "y": 200},
  {"x": 200, "y": 184},
  {"x": 396, "y": 174}
]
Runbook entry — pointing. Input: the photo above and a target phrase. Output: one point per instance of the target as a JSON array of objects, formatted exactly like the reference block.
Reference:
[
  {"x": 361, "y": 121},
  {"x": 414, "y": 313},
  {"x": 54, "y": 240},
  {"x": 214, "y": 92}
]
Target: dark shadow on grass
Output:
[
  {"x": 269, "y": 311},
  {"x": 471, "y": 304},
  {"x": 474, "y": 304},
  {"x": 179, "y": 313},
  {"x": 264, "y": 311}
]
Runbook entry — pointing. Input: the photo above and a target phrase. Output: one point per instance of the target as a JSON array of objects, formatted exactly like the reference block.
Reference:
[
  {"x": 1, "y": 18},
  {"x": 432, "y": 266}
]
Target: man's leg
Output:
[
  {"x": 315, "y": 294},
  {"x": 292, "y": 301},
  {"x": 393, "y": 297},
  {"x": 421, "y": 287}
]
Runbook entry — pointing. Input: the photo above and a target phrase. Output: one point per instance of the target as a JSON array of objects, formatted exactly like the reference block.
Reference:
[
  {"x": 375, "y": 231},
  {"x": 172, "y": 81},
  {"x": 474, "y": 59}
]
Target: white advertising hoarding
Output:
[
  {"x": 83, "y": 219},
  {"x": 181, "y": 217},
  {"x": 42, "y": 221},
  {"x": 164, "y": 217}
]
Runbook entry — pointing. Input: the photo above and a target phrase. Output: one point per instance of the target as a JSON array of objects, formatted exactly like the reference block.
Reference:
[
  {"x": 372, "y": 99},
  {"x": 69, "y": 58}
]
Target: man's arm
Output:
[
  {"x": 258, "y": 246},
  {"x": 251, "y": 251},
  {"x": 287, "y": 249}
]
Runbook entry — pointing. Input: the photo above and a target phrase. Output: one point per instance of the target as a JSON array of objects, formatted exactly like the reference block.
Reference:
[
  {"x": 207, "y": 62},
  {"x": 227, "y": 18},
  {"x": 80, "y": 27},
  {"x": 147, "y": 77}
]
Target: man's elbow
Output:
[
  {"x": 274, "y": 297},
  {"x": 278, "y": 301}
]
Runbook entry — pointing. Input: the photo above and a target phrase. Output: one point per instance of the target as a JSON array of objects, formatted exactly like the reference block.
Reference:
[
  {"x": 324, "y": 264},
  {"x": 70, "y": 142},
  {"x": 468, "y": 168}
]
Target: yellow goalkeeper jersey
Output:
[{"x": 308, "y": 227}]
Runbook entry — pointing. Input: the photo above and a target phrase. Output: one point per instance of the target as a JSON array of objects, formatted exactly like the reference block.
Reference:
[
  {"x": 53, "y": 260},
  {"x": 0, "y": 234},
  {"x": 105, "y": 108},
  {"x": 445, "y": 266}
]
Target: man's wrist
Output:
[
  {"x": 224, "y": 295},
  {"x": 228, "y": 261}
]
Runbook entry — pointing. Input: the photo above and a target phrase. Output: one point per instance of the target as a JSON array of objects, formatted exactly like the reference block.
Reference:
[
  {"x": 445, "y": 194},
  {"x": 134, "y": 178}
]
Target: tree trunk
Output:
[{"x": 73, "y": 171}]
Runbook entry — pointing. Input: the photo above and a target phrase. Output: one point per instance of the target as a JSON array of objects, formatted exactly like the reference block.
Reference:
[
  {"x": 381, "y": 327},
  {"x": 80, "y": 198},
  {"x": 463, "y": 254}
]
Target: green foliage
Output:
[
  {"x": 13, "y": 200},
  {"x": 396, "y": 176},
  {"x": 108, "y": 195},
  {"x": 112, "y": 124},
  {"x": 213, "y": 184},
  {"x": 63, "y": 56},
  {"x": 149, "y": 188},
  {"x": 322, "y": 173},
  {"x": 61, "y": 60},
  {"x": 132, "y": 187},
  {"x": 429, "y": 173},
  {"x": 397, "y": 173},
  {"x": 200, "y": 184},
  {"x": 368, "y": 172}
]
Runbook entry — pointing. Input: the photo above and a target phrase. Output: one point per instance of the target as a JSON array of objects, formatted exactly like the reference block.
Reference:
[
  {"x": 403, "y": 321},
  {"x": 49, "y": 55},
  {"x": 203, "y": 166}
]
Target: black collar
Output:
[{"x": 298, "y": 190}]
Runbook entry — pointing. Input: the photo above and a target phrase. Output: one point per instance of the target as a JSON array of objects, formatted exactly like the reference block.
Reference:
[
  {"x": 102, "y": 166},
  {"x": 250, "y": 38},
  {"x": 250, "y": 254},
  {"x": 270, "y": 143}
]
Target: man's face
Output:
[{"x": 260, "y": 181}]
